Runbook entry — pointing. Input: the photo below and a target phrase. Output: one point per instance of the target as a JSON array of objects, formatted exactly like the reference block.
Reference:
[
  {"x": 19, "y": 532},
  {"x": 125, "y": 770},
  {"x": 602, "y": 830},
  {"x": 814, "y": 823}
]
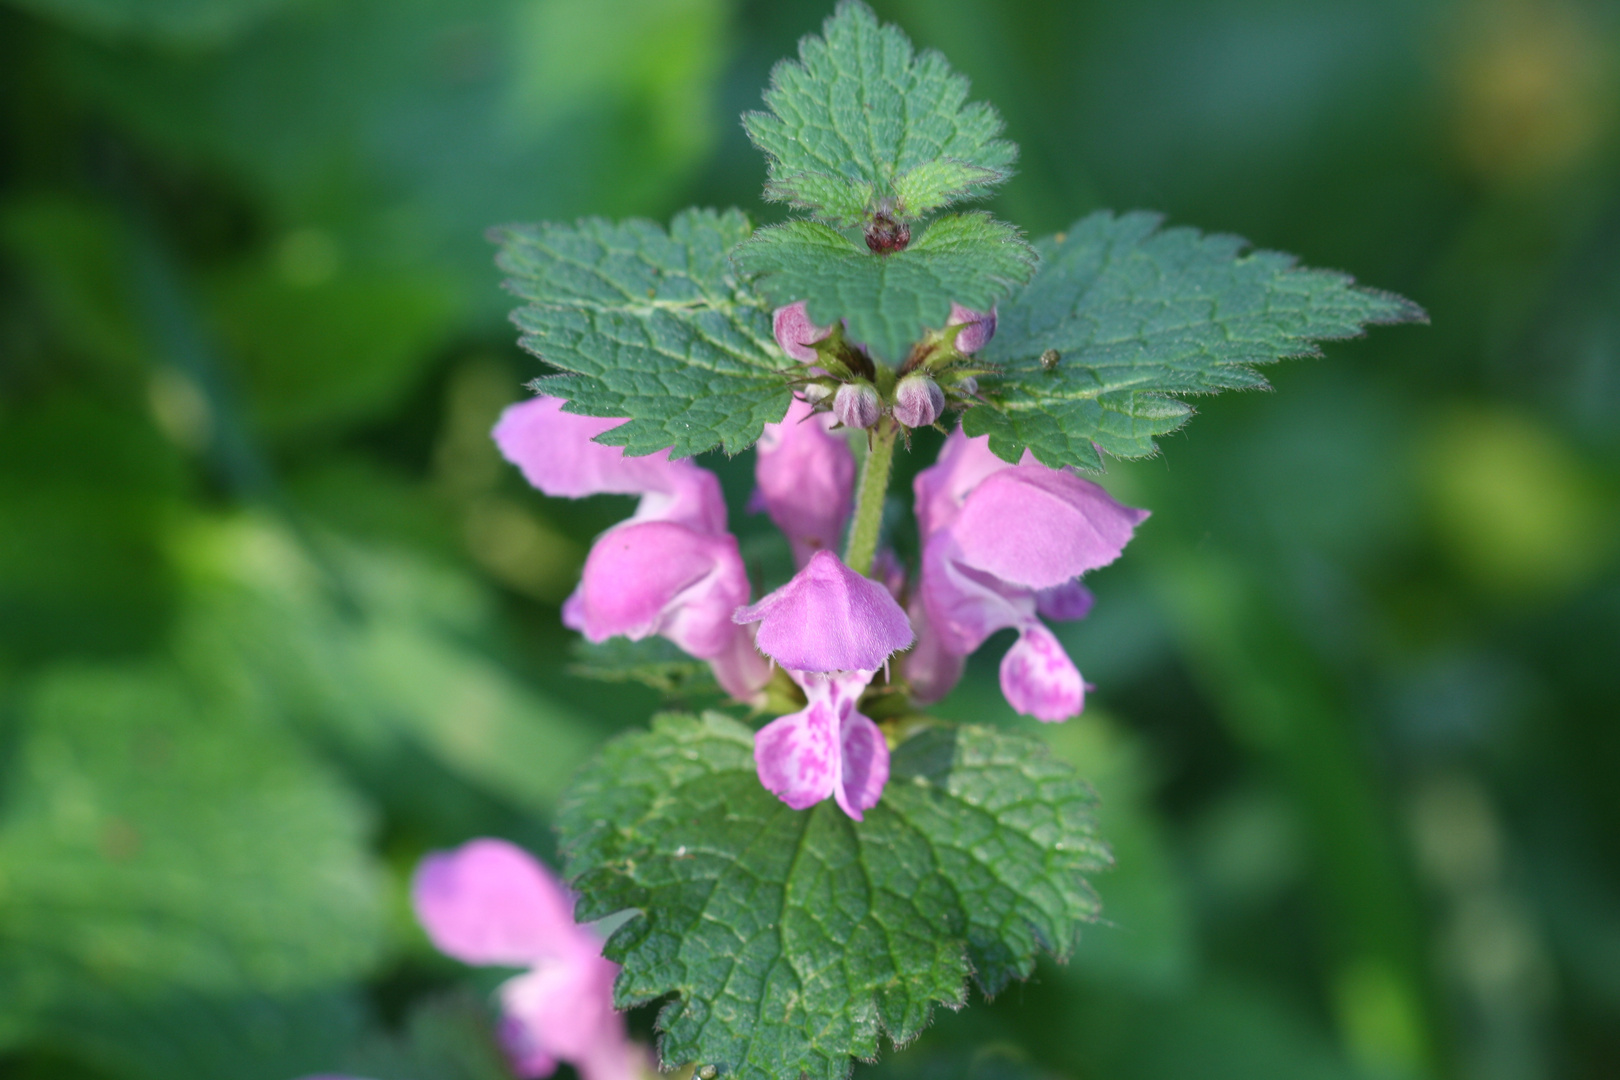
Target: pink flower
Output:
[
  {"x": 672, "y": 569},
  {"x": 1002, "y": 545},
  {"x": 827, "y": 748},
  {"x": 806, "y": 479},
  {"x": 831, "y": 629},
  {"x": 490, "y": 903},
  {"x": 795, "y": 333},
  {"x": 829, "y": 618}
]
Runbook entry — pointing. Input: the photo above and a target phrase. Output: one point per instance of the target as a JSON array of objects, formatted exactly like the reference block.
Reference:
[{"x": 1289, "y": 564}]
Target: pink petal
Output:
[
  {"x": 964, "y": 606},
  {"x": 865, "y": 766},
  {"x": 557, "y": 455},
  {"x": 1039, "y": 527},
  {"x": 1068, "y": 602},
  {"x": 1039, "y": 679},
  {"x": 490, "y": 902},
  {"x": 829, "y": 618},
  {"x": 806, "y": 479},
  {"x": 739, "y": 668},
  {"x": 561, "y": 1010},
  {"x": 941, "y": 488},
  {"x": 657, "y": 577},
  {"x": 930, "y": 670},
  {"x": 795, "y": 333},
  {"x": 797, "y": 755}
]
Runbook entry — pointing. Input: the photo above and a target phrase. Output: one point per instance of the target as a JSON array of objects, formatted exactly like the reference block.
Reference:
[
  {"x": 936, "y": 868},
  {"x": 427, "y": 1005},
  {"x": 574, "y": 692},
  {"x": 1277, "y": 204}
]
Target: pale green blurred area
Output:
[{"x": 275, "y": 618}]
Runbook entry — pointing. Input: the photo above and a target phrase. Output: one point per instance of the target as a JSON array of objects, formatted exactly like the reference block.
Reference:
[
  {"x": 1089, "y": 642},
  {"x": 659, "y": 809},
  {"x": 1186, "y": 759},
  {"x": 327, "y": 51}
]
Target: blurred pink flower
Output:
[{"x": 489, "y": 902}]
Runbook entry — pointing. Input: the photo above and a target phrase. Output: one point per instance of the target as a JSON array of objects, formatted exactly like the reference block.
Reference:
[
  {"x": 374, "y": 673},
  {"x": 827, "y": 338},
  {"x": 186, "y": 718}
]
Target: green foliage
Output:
[
  {"x": 653, "y": 661},
  {"x": 650, "y": 325},
  {"x": 889, "y": 300},
  {"x": 1139, "y": 315},
  {"x": 795, "y": 938},
  {"x": 860, "y": 121},
  {"x": 174, "y": 22},
  {"x": 163, "y": 841}
]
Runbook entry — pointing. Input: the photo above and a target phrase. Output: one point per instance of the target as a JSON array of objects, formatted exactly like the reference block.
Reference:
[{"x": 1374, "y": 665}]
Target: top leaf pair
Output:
[
  {"x": 1103, "y": 328},
  {"x": 861, "y": 125}
]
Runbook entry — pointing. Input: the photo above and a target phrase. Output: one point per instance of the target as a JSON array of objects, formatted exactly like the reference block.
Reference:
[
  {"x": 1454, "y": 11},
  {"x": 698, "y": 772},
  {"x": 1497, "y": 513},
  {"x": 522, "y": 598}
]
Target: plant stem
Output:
[{"x": 874, "y": 486}]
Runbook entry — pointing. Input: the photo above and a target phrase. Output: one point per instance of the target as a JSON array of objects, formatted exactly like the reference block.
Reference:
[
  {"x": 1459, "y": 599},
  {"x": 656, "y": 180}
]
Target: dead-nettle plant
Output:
[{"x": 801, "y": 890}]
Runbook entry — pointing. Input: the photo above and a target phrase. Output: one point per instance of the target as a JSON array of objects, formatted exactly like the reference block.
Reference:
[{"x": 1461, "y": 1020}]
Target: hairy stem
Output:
[{"x": 874, "y": 485}]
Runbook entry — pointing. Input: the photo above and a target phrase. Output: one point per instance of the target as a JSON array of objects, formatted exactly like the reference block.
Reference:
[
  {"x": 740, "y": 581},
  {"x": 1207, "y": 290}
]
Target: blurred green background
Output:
[{"x": 275, "y": 619}]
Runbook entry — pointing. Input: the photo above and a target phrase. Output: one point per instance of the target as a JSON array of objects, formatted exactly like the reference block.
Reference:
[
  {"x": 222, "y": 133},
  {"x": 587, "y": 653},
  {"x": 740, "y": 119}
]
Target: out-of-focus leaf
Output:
[
  {"x": 650, "y": 325},
  {"x": 404, "y": 131},
  {"x": 334, "y": 350},
  {"x": 163, "y": 840},
  {"x": 860, "y": 121},
  {"x": 188, "y": 23},
  {"x": 1122, "y": 318},
  {"x": 654, "y": 661},
  {"x": 445, "y": 1038},
  {"x": 85, "y": 493},
  {"x": 794, "y": 939},
  {"x": 888, "y": 300},
  {"x": 71, "y": 258},
  {"x": 401, "y": 664}
]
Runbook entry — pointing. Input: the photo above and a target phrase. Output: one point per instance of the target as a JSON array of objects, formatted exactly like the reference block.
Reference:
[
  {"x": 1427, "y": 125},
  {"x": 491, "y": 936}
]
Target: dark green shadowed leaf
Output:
[
  {"x": 1138, "y": 316},
  {"x": 888, "y": 300},
  {"x": 859, "y": 118},
  {"x": 650, "y": 325},
  {"x": 794, "y": 939}
]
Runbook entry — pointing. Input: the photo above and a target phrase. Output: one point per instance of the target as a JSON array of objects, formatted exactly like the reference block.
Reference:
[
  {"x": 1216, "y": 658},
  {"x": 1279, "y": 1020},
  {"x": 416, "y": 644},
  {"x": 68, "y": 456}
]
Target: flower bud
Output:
[
  {"x": 857, "y": 404},
  {"x": 918, "y": 400},
  {"x": 977, "y": 327},
  {"x": 795, "y": 333}
]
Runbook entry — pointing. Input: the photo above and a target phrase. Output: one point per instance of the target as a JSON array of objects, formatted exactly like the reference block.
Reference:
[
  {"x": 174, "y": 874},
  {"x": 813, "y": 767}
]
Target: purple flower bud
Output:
[
  {"x": 977, "y": 327},
  {"x": 806, "y": 479},
  {"x": 490, "y": 903},
  {"x": 857, "y": 404},
  {"x": 918, "y": 400},
  {"x": 829, "y": 618},
  {"x": 795, "y": 333}
]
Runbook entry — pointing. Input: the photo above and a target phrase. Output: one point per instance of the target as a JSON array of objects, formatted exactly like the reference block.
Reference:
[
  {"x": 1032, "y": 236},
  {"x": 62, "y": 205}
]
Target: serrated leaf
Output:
[
  {"x": 649, "y": 324},
  {"x": 888, "y": 300},
  {"x": 860, "y": 117},
  {"x": 793, "y": 939},
  {"x": 1139, "y": 316}
]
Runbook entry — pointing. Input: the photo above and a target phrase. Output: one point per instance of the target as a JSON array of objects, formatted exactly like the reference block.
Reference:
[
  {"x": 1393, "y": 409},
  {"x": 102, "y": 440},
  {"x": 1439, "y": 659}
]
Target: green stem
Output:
[{"x": 874, "y": 486}]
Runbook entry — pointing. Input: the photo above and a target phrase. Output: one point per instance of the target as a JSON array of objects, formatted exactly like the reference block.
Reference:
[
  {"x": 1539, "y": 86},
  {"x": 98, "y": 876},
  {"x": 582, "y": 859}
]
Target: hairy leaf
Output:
[
  {"x": 888, "y": 300},
  {"x": 650, "y": 325},
  {"x": 1136, "y": 317},
  {"x": 860, "y": 118},
  {"x": 793, "y": 939}
]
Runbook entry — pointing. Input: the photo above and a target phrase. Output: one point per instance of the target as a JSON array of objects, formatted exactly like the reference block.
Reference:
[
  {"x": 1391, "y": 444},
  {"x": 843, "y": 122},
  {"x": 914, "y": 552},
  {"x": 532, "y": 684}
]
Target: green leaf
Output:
[
  {"x": 161, "y": 843},
  {"x": 1139, "y": 316},
  {"x": 889, "y": 300},
  {"x": 656, "y": 662},
  {"x": 650, "y": 325},
  {"x": 860, "y": 118},
  {"x": 793, "y": 939}
]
